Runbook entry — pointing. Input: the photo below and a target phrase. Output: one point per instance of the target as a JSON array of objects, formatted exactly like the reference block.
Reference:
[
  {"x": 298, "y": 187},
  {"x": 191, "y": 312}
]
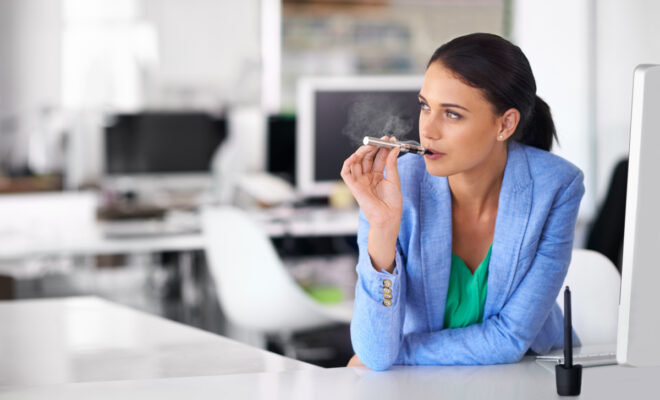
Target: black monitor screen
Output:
[
  {"x": 281, "y": 146},
  {"x": 344, "y": 118},
  {"x": 151, "y": 143}
]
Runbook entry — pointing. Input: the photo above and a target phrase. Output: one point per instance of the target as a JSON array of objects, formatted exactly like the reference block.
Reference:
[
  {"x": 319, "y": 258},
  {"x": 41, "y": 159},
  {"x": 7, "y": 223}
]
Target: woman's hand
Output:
[
  {"x": 379, "y": 198},
  {"x": 355, "y": 362}
]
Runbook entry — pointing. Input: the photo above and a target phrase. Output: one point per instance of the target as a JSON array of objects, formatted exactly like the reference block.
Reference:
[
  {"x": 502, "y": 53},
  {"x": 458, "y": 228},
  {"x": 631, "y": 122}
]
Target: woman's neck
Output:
[{"x": 476, "y": 192}]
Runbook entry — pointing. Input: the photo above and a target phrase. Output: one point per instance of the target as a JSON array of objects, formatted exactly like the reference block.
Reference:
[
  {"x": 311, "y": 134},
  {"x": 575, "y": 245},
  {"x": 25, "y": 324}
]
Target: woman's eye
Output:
[
  {"x": 452, "y": 115},
  {"x": 423, "y": 105}
]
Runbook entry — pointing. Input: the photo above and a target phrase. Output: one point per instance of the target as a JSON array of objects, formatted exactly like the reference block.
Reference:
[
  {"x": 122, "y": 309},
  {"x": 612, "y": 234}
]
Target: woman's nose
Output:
[
  {"x": 430, "y": 125},
  {"x": 429, "y": 131},
  {"x": 428, "y": 128}
]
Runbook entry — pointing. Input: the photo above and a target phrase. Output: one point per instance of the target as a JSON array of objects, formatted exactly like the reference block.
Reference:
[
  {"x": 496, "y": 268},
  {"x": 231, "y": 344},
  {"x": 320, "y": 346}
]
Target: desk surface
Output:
[
  {"x": 83, "y": 339},
  {"x": 525, "y": 380},
  {"x": 87, "y": 348}
]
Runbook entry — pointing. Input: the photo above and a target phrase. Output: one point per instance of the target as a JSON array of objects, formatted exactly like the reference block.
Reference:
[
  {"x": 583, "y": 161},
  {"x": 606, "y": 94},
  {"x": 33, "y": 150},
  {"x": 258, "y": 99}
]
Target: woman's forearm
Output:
[
  {"x": 377, "y": 324},
  {"x": 382, "y": 248}
]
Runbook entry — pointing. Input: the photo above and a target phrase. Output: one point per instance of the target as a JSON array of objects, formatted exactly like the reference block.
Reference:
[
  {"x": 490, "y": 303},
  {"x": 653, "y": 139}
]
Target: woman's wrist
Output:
[{"x": 382, "y": 248}]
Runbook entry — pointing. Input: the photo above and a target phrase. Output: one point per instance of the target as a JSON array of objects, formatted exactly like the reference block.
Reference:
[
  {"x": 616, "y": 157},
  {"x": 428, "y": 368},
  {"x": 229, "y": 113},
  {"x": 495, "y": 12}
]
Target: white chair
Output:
[
  {"x": 254, "y": 289},
  {"x": 595, "y": 284}
]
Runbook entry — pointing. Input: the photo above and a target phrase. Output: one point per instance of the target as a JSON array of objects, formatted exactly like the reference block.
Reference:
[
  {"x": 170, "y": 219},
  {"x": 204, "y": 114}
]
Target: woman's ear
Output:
[{"x": 508, "y": 122}]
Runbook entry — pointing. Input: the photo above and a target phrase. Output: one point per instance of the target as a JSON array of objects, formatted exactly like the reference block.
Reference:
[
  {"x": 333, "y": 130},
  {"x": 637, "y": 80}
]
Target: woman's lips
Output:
[{"x": 435, "y": 155}]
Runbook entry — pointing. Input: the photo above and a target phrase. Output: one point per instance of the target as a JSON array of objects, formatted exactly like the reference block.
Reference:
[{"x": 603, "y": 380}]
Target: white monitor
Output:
[
  {"x": 154, "y": 151},
  {"x": 638, "y": 339},
  {"x": 335, "y": 113}
]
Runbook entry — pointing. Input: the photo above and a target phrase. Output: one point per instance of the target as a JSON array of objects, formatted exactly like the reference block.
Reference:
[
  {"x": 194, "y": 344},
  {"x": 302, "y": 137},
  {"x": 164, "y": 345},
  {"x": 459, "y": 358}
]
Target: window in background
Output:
[
  {"x": 374, "y": 37},
  {"x": 108, "y": 50}
]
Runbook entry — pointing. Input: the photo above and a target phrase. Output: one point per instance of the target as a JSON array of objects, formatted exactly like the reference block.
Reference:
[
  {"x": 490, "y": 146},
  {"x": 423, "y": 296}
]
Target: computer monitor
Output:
[
  {"x": 638, "y": 335},
  {"x": 281, "y": 146},
  {"x": 158, "y": 146},
  {"x": 335, "y": 113}
]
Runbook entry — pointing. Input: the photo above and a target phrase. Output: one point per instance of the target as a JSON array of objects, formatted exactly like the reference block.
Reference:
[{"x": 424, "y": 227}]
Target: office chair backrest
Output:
[
  {"x": 595, "y": 284},
  {"x": 254, "y": 288}
]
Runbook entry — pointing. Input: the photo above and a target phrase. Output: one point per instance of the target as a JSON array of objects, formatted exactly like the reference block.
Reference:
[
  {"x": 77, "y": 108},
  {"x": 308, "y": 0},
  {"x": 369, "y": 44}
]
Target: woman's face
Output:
[{"x": 456, "y": 122}]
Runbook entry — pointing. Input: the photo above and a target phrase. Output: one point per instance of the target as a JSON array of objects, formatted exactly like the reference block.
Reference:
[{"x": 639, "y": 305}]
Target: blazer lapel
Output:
[
  {"x": 436, "y": 236},
  {"x": 513, "y": 210},
  {"x": 514, "y": 206}
]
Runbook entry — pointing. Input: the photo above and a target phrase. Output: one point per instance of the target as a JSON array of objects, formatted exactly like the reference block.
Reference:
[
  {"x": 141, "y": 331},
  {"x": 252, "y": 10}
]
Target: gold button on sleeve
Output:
[
  {"x": 387, "y": 290},
  {"x": 387, "y": 296},
  {"x": 387, "y": 283},
  {"x": 387, "y": 303}
]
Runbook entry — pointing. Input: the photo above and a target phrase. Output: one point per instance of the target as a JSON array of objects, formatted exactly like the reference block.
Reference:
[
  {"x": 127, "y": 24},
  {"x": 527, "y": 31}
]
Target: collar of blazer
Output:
[{"x": 515, "y": 203}]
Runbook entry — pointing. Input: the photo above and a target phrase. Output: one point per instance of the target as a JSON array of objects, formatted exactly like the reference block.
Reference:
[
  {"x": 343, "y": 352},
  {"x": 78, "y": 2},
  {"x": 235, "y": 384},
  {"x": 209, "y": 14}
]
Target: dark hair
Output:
[{"x": 500, "y": 69}]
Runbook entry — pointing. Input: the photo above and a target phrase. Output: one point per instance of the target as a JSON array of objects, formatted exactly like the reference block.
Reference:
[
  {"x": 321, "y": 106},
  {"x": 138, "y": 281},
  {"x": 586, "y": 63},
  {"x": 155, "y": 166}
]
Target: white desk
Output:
[
  {"x": 87, "y": 348},
  {"x": 87, "y": 339},
  {"x": 525, "y": 380}
]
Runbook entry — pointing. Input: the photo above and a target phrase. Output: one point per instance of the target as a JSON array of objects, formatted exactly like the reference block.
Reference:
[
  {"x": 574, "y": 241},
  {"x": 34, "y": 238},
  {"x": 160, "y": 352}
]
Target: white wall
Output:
[
  {"x": 29, "y": 73},
  {"x": 628, "y": 34},
  {"x": 209, "y": 51},
  {"x": 583, "y": 54},
  {"x": 557, "y": 37},
  {"x": 33, "y": 57},
  {"x": 6, "y": 94}
]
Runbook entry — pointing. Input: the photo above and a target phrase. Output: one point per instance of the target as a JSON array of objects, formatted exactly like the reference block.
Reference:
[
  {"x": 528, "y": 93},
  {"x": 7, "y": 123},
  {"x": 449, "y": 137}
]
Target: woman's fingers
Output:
[
  {"x": 360, "y": 162},
  {"x": 369, "y": 162},
  {"x": 351, "y": 170},
  {"x": 379, "y": 162},
  {"x": 356, "y": 168},
  {"x": 345, "y": 173},
  {"x": 364, "y": 155},
  {"x": 381, "y": 157},
  {"x": 363, "y": 176},
  {"x": 391, "y": 165},
  {"x": 368, "y": 158},
  {"x": 361, "y": 192}
]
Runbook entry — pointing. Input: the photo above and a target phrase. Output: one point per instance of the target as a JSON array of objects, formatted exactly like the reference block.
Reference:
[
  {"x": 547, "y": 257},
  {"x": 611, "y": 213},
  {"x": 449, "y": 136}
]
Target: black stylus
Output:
[
  {"x": 568, "y": 330},
  {"x": 568, "y": 376}
]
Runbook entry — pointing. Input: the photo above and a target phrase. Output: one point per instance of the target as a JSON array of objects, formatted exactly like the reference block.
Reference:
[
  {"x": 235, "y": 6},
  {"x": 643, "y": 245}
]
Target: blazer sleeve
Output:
[
  {"x": 377, "y": 324},
  {"x": 506, "y": 336}
]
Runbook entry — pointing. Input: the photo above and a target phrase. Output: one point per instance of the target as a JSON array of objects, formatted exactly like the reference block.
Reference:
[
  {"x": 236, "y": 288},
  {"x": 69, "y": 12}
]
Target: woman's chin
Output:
[{"x": 437, "y": 170}]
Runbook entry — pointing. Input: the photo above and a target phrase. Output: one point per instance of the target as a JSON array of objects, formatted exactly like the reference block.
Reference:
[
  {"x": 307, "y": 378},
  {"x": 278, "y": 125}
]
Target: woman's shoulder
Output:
[{"x": 547, "y": 168}]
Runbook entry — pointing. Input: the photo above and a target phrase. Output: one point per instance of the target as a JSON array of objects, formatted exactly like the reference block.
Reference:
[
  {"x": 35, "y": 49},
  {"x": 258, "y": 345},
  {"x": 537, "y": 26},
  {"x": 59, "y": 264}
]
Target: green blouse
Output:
[{"x": 466, "y": 294}]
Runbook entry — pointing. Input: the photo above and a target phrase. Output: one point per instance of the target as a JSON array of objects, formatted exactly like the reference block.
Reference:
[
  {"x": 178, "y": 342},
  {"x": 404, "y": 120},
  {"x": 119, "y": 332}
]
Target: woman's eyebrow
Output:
[{"x": 444, "y": 104}]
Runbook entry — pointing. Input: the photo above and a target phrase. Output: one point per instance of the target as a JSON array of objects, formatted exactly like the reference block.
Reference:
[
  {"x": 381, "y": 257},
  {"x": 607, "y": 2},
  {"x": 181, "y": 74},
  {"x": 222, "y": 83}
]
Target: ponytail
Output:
[{"x": 540, "y": 130}]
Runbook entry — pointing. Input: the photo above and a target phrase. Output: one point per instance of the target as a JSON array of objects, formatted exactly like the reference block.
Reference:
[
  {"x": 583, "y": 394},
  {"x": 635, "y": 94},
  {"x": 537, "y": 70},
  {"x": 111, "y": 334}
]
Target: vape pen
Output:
[{"x": 407, "y": 146}]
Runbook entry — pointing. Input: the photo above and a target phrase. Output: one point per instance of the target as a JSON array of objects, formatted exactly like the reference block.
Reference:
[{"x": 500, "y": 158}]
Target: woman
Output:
[{"x": 463, "y": 252}]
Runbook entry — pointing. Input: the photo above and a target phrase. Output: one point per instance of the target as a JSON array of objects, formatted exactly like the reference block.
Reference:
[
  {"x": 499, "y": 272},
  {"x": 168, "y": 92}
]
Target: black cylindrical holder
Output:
[{"x": 569, "y": 380}]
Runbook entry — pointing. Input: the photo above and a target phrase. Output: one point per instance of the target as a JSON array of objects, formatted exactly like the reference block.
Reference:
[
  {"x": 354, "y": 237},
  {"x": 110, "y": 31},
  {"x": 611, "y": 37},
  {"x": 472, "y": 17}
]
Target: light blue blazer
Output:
[{"x": 536, "y": 216}]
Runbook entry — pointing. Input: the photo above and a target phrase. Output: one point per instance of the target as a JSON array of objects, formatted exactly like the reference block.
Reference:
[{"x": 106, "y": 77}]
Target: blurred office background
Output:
[{"x": 121, "y": 120}]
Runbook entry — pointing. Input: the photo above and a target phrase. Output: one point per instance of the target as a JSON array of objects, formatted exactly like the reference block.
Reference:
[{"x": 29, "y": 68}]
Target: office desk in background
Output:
[
  {"x": 31, "y": 255},
  {"x": 86, "y": 348},
  {"x": 277, "y": 223}
]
